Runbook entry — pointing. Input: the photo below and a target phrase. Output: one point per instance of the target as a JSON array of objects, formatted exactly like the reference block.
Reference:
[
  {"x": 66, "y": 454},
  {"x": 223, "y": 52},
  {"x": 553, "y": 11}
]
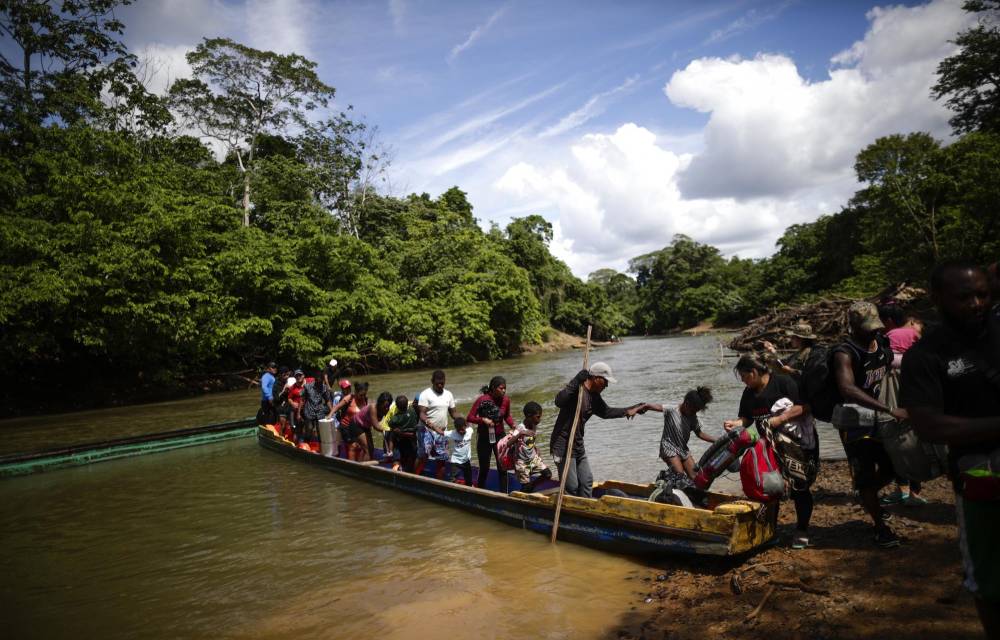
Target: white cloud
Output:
[
  {"x": 594, "y": 107},
  {"x": 397, "y": 10},
  {"x": 747, "y": 22},
  {"x": 282, "y": 26},
  {"x": 615, "y": 196},
  {"x": 772, "y": 132},
  {"x": 778, "y": 149},
  {"x": 476, "y": 34},
  {"x": 161, "y": 64}
]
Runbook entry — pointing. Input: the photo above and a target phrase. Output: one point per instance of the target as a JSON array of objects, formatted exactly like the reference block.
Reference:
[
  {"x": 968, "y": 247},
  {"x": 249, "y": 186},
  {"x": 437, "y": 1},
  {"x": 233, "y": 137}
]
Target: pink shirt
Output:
[{"x": 902, "y": 339}]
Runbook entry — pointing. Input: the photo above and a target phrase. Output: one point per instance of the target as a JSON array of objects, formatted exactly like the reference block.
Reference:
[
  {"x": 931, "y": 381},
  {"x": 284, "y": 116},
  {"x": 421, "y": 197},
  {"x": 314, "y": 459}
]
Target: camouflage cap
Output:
[
  {"x": 801, "y": 330},
  {"x": 863, "y": 316}
]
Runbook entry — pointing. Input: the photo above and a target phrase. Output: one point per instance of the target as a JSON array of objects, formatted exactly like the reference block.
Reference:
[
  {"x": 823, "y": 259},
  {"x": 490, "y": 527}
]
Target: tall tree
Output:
[
  {"x": 907, "y": 199},
  {"x": 65, "y": 50},
  {"x": 239, "y": 93},
  {"x": 970, "y": 79}
]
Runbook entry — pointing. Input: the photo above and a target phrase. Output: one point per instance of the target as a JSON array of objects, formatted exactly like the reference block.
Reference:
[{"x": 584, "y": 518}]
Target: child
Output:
[
  {"x": 529, "y": 466},
  {"x": 461, "y": 451},
  {"x": 284, "y": 428}
]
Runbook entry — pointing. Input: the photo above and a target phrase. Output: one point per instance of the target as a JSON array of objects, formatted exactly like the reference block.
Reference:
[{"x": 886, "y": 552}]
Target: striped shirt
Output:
[{"x": 677, "y": 430}]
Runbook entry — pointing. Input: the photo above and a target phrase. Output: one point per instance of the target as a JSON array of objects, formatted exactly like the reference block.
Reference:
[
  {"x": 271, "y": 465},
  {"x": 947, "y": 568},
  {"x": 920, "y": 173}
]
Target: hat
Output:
[
  {"x": 601, "y": 370},
  {"x": 863, "y": 316},
  {"x": 345, "y": 384},
  {"x": 333, "y": 362},
  {"x": 801, "y": 330},
  {"x": 271, "y": 365},
  {"x": 298, "y": 372}
]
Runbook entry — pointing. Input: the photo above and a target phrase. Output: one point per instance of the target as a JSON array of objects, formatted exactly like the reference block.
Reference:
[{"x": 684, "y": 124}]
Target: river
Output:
[{"x": 231, "y": 540}]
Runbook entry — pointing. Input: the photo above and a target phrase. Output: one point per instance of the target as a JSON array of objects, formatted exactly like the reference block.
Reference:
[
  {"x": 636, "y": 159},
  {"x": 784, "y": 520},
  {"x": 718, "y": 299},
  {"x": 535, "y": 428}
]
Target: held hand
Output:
[
  {"x": 729, "y": 424},
  {"x": 630, "y": 412},
  {"x": 899, "y": 414}
]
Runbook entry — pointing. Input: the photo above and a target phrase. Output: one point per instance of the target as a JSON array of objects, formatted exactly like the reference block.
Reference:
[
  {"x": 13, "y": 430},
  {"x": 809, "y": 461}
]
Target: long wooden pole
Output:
[{"x": 569, "y": 443}]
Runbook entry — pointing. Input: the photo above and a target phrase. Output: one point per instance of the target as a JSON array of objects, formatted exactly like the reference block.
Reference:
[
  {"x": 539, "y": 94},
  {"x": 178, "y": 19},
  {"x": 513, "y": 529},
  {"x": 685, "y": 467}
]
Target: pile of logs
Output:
[{"x": 828, "y": 318}]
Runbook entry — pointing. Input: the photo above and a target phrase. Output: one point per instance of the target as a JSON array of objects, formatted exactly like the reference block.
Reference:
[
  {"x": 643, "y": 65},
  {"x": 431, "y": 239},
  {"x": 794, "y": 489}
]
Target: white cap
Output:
[
  {"x": 333, "y": 362},
  {"x": 601, "y": 370},
  {"x": 291, "y": 381}
]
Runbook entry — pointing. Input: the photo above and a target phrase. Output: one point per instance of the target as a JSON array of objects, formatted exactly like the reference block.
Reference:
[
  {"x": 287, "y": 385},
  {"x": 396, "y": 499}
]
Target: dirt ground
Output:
[{"x": 841, "y": 587}]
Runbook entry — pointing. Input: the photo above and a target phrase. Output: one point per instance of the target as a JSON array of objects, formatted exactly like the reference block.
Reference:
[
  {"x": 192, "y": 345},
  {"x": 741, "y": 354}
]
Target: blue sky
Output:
[{"x": 621, "y": 123}]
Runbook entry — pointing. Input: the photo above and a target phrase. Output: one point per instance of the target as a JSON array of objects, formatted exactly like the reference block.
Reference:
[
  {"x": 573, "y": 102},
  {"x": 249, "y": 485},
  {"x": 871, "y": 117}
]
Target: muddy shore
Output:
[{"x": 841, "y": 587}]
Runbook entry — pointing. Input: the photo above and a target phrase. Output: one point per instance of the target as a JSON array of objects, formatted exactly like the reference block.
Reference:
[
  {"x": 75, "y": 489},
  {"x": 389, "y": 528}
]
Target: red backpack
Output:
[
  {"x": 507, "y": 451},
  {"x": 760, "y": 474}
]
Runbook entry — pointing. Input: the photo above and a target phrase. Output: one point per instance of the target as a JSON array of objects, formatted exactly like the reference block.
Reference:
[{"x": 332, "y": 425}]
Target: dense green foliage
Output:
[{"x": 134, "y": 258}]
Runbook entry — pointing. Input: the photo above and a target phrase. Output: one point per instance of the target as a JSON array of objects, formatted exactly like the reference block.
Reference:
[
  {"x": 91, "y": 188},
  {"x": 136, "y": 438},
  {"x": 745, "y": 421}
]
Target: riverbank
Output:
[
  {"x": 555, "y": 340},
  {"x": 841, "y": 587}
]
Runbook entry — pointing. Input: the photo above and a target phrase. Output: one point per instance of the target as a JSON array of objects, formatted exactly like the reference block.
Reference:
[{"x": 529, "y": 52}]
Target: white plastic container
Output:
[{"x": 327, "y": 433}]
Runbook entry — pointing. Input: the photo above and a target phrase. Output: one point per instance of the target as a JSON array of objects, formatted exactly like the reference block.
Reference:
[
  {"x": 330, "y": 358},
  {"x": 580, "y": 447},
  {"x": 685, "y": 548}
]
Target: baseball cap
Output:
[
  {"x": 601, "y": 370},
  {"x": 863, "y": 316},
  {"x": 345, "y": 384}
]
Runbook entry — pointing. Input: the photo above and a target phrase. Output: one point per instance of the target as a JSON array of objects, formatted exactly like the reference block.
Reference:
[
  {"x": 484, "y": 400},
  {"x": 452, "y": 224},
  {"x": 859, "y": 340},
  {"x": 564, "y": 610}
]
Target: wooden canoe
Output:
[
  {"x": 633, "y": 525},
  {"x": 24, "y": 463}
]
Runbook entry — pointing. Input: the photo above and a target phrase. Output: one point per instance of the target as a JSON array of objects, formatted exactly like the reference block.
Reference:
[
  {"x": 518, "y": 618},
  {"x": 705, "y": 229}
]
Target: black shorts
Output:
[
  {"x": 871, "y": 467},
  {"x": 351, "y": 433}
]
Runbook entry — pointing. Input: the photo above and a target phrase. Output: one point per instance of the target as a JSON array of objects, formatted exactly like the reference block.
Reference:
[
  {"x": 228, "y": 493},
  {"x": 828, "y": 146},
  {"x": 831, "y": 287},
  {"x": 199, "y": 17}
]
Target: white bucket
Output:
[{"x": 326, "y": 437}]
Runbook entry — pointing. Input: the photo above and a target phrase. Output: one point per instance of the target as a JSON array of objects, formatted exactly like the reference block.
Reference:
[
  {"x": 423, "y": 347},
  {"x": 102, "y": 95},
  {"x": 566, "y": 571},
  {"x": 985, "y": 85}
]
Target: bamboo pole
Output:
[{"x": 570, "y": 442}]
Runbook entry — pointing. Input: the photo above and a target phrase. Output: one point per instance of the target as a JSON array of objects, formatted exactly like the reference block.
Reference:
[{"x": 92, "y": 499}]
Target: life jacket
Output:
[
  {"x": 760, "y": 474},
  {"x": 724, "y": 452}
]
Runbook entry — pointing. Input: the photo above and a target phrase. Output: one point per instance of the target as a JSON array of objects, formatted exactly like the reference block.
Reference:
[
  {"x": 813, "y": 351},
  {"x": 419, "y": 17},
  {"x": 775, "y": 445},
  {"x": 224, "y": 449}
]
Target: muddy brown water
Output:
[{"x": 230, "y": 540}]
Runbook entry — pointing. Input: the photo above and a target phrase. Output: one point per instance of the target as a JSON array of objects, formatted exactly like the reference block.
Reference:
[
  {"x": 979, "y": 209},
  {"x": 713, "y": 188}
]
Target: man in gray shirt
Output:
[{"x": 678, "y": 423}]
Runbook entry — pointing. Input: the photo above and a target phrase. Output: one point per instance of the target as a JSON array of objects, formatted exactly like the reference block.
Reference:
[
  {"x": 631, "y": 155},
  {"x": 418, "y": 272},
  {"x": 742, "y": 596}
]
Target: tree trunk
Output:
[{"x": 246, "y": 198}]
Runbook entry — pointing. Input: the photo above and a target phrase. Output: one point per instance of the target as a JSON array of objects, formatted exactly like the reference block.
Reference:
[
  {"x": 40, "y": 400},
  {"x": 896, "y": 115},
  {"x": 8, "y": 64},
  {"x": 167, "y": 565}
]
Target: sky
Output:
[{"x": 621, "y": 123}]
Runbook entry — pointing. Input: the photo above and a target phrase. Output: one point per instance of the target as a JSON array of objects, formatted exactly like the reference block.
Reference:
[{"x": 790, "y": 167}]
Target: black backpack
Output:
[{"x": 817, "y": 385}]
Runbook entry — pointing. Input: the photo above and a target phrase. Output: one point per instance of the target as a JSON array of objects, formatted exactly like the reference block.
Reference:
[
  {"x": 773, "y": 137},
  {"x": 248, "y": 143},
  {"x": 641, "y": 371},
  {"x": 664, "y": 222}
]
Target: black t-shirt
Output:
[
  {"x": 754, "y": 405},
  {"x": 945, "y": 371},
  {"x": 869, "y": 366}
]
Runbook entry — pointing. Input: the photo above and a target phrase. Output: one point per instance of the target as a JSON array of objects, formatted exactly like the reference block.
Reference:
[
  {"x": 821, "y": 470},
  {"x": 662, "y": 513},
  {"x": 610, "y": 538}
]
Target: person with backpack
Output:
[
  {"x": 763, "y": 391},
  {"x": 858, "y": 366},
  {"x": 951, "y": 388},
  {"x": 489, "y": 412},
  {"x": 802, "y": 340}
]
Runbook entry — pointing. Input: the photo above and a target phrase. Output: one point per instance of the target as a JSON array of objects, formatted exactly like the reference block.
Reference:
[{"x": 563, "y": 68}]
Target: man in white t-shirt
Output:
[{"x": 435, "y": 405}]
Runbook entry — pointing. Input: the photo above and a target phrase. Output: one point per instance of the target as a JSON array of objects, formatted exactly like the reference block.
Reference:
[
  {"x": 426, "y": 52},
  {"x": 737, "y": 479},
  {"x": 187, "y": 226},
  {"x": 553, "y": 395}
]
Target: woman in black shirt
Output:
[{"x": 763, "y": 390}]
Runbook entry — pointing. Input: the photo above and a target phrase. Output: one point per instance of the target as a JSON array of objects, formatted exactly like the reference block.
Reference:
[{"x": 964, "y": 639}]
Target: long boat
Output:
[
  {"x": 632, "y": 525},
  {"x": 18, "y": 464}
]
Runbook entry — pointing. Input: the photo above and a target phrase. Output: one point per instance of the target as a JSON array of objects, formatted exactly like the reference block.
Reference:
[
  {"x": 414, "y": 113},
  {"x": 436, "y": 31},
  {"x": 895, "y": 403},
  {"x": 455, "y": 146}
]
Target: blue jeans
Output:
[{"x": 579, "y": 481}]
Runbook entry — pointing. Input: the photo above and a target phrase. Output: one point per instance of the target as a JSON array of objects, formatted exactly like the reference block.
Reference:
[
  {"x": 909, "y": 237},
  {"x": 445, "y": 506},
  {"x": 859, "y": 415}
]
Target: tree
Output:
[
  {"x": 239, "y": 93},
  {"x": 906, "y": 201},
  {"x": 66, "y": 51},
  {"x": 970, "y": 79}
]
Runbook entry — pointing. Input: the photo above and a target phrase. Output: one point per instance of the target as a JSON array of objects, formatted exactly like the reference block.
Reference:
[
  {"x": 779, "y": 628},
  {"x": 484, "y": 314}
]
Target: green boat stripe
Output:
[{"x": 111, "y": 451}]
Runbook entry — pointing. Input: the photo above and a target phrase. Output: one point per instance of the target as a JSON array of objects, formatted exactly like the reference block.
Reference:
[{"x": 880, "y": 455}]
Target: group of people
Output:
[
  {"x": 427, "y": 429},
  {"x": 948, "y": 388}
]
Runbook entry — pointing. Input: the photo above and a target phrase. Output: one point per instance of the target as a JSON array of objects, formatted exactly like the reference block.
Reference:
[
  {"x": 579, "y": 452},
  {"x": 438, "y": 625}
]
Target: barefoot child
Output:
[{"x": 529, "y": 466}]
